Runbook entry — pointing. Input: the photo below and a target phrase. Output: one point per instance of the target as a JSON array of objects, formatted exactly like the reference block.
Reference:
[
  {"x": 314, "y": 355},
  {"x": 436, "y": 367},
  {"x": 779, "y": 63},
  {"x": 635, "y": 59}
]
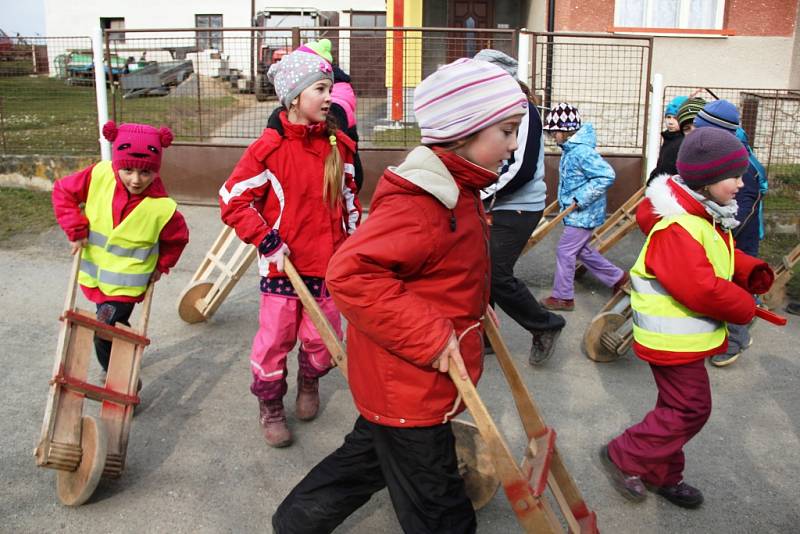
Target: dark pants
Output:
[
  {"x": 417, "y": 465},
  {"x": 111, "y": 312},
  {"x": 653, "y": 449},
  {"x": 510, "y": 231}
]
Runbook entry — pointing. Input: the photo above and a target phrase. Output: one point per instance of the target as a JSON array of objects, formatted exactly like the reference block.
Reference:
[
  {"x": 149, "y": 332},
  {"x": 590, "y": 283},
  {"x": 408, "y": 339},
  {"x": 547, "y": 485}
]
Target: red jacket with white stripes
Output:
[
  {"x": 278, "y": 183},
  {"x": 682, "y": 267}
]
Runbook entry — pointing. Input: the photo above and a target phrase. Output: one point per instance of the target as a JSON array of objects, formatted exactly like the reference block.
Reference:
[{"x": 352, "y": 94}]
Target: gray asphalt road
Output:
[{"x": 196, "y": 461}]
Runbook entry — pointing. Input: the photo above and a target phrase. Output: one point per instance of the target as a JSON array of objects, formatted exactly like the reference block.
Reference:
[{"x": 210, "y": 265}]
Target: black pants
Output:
[
  {"x": 417, "y": 465},
  {"x": 111, "y": 312},
  {"x": 510, "y": 231}
]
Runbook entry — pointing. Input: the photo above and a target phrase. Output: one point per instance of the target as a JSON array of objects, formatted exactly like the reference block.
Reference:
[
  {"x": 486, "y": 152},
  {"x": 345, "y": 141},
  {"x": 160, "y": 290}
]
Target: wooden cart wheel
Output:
[
  {"x": 475, "y": 464},
  {"x": 75, "y": 487},
  {"x": 187, "y": 302},
  {"x": 602, "y": 323}
]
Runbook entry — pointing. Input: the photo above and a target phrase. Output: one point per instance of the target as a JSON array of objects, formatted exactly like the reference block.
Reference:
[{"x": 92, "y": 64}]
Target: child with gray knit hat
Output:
[
  {"x": 515, "y": 204},
  {"x": 296, "y": 71},
  {"x": 293, "y": 192}
]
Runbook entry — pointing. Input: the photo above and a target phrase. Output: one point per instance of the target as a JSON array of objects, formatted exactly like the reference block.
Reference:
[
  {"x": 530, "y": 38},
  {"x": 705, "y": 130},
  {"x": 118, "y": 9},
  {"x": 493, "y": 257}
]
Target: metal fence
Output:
[
  {"x": 47, "y": 96},
  {"x": 222, "y": 96},
  {"x": 605, "y": 77},
  {"x": 770, "y": 117}
]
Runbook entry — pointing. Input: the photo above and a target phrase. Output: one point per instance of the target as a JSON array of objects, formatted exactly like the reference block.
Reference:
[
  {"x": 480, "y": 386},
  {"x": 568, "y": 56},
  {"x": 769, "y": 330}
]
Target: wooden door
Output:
[{"x": 468, "y": 14}]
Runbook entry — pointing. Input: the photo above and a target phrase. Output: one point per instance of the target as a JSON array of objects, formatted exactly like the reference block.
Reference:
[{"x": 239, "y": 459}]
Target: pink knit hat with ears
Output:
[{"x": 136, "y": 146}]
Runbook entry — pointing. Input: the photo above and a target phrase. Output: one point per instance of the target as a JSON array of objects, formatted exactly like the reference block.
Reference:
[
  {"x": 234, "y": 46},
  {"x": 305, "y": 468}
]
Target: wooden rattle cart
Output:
[
  {"x": 483, "y": 455},
  {"x": 84, "y": 448},
  {"x": 201, "y": 297}
]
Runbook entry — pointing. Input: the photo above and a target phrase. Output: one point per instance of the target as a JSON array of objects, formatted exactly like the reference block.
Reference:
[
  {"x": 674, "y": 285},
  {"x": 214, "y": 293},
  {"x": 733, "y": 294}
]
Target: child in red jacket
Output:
[
  {"x": 414, "y": 282},
  {"x": 293, "y": 192},
  {"x": 129, "y": 231},
  {"x": 688, "y": 282}
]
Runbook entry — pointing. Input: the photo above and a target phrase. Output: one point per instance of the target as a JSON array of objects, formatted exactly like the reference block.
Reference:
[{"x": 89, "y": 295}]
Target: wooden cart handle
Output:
[{"x": 329, "y": 337}]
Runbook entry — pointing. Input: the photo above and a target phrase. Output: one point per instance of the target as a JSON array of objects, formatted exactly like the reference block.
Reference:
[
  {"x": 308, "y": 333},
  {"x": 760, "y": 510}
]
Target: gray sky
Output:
[{"x": 23, "y": 16}]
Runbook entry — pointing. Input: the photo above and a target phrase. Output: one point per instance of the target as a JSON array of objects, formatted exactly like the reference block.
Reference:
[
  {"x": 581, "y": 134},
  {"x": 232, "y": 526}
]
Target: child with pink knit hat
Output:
[
  {"x": 129, "y": 231},
  {"x": 413, "y": 283}
]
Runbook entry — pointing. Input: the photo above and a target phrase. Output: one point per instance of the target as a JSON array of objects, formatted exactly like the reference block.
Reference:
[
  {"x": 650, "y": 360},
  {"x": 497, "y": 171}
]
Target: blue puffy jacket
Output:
[{"x": 584, "y": 177}]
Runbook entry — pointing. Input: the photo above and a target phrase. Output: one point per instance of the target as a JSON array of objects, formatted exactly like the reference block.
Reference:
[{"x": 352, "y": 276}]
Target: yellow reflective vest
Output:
[
  {"x": 119, "y": 261},
  {"x": 659, "y": 321}
]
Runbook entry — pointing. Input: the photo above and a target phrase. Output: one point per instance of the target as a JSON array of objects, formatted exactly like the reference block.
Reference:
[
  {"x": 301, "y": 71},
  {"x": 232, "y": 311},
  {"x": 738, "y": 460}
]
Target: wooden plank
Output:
[
  {"x": 67, "y": 428},
  {"x": 54, "y": 394}
]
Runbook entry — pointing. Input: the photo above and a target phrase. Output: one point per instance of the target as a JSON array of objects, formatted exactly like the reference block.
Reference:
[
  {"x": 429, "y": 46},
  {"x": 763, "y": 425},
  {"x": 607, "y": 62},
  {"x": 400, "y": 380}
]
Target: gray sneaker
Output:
[{"x": 543, "y": 346}]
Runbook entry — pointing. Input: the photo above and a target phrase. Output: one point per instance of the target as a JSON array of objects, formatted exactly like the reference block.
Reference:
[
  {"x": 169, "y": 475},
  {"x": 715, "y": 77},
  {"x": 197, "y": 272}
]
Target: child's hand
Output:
[
  {"x": 277, "y": 257},
  {"x": 451, "y": 351},
  {"x": 76, "y": 246},
  {"x": 156, "y": 276}
]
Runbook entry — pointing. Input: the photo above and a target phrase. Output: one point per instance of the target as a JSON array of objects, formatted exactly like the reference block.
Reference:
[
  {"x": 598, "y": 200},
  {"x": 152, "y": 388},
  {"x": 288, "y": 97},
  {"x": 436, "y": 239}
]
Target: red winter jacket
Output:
[
  {"x": 278, "y": 183},
  {"x": 680, "y": 264},
  {"x": 415, "y": 271},
  {"x": 71, "y": 191}
]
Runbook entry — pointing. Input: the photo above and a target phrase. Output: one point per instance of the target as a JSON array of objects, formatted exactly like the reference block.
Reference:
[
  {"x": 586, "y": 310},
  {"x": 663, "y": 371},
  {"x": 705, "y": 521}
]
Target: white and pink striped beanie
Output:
[{"x": 463, "y": 97}]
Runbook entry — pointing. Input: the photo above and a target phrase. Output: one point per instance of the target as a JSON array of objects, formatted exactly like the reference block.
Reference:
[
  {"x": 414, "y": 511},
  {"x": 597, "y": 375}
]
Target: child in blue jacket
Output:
[{"x": 584, "y": 177}]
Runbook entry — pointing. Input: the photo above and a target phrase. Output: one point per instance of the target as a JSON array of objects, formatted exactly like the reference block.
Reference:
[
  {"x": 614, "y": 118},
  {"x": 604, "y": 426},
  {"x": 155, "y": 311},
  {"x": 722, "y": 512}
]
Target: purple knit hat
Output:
[
  {"x": 710, "y": 155},
  {"x": 463, "y": 97}
]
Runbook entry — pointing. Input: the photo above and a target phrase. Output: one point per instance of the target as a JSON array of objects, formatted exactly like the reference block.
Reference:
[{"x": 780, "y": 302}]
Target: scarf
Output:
[{"x": 723, "y": 214}]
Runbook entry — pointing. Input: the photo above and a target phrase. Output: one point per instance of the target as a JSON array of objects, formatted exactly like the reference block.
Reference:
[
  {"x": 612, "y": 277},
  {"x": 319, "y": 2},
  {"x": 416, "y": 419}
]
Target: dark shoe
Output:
[
  {"x": 307, "y": 404},
  {"x": 682, "y": 494},
  {"x": 793, "y": 308},
  {"x": 722, "y": 360},
  {"x": 622, "y": 283},
  {"x": 273, "y": 422},
  {"x": 543, "y": 346},
  {"x": 555, "y": 304},
  {"x": 629, "y": 486}
]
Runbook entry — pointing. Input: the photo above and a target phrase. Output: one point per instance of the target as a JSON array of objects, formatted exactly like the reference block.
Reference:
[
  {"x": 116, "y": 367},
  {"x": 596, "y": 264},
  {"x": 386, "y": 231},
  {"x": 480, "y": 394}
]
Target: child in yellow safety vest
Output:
[
  {"x": 129, "y": 231},
  {"x": 687, "y": 284}
]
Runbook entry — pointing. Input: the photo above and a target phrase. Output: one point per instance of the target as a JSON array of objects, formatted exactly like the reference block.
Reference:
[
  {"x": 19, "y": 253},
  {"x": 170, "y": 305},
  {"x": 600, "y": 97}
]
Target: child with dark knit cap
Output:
[
  {"x": 293, "y": 193},
  {"x": 723, "y": 114},
  {"x": 129, "y": 231},
  {"x": 687, "y": 112},
  {"x": 688, "y": 282},
  {"x": 413, "y": 282}
]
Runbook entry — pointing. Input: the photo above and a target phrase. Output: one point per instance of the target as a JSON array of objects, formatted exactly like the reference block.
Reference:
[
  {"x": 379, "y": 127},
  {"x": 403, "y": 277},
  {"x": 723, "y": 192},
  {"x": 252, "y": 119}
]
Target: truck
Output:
[{"x": 274, "y": 40}]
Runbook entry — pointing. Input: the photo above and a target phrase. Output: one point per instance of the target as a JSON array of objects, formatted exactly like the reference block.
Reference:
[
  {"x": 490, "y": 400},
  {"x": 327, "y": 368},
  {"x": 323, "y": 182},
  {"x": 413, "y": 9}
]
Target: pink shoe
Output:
[{"x": 273, "y": 422}]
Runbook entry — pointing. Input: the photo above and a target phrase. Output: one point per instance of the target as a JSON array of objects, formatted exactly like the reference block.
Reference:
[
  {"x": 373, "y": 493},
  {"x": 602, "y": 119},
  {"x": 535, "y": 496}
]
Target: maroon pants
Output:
[{"x": 653, "y": 449}]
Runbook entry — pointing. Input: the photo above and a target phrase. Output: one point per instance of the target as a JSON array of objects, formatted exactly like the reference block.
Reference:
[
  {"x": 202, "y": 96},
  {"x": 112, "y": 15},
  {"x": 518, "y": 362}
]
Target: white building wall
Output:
[{"x": 763, "y": 62}]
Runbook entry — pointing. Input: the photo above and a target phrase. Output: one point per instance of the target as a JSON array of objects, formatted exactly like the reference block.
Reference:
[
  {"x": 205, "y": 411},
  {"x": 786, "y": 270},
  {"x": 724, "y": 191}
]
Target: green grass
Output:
[
  {"x": 45, "y": 115},
  {"x": 409, "y": 136},
  {"x": 23, "y": 213}
]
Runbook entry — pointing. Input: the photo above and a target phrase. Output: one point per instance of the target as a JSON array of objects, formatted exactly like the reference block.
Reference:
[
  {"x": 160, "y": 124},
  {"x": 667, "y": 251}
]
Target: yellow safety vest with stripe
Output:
[
  {"x": 659, "y": 321},
  {"x": 119, "y": 261}
]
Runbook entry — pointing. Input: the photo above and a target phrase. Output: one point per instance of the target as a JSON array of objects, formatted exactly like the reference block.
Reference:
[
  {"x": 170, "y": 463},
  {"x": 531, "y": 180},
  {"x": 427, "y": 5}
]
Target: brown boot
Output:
[
  {"x": 273, "y": 421},
  {"x": 307, "y": 404}
]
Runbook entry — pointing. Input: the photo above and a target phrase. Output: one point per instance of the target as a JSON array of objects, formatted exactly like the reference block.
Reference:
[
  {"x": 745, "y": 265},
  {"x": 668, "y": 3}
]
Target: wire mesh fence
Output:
[
  {"x": 222, "y": 95},
  {"x": 47, "y": 96},
  {"x": 769, "y": 117},
  {"x": 605, "y": 77}
]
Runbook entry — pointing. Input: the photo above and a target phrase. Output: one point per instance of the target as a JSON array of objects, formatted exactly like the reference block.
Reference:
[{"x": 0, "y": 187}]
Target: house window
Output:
[
  {"x": 114, "y": 23},
  {"x": 671, "y": 14},
  {"x": 209, "y": 39}
]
